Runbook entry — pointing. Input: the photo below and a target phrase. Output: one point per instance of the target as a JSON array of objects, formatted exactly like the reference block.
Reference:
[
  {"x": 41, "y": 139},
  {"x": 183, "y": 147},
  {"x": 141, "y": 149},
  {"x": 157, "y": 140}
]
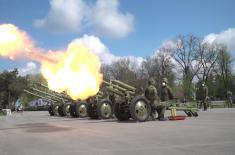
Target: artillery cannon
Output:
[
  {"x": 63, "y": 105},
  {"x": 60, "y": 103},
  {"x": 52, "y": 102},
  {"x": 126, "y": 102},
  {"x": 57, "y": 107}
]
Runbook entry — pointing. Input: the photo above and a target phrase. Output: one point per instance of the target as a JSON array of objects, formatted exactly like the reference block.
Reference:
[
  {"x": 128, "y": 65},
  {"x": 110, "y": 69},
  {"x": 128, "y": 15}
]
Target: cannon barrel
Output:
[
  {"x": 63, "y": 95},
  {"x": 106, "y": 82},
  {"x": 115, "y": 91},
  {"x": 53, "y": 93},
  {"x": 100, "y": 93},
  {"x": 42, "y": 85},
  {"x": 112, "y": 89},
  {"x": 119, "y": 86},
  {"x": 59, "y": 96},
  {"x": 120, "y": 89},
  {"x": 43, "y": 97},
  {"x": 54, "y": 97},
  {"x": 99, "y": 96},
  {"x": 124, "y": 85}
]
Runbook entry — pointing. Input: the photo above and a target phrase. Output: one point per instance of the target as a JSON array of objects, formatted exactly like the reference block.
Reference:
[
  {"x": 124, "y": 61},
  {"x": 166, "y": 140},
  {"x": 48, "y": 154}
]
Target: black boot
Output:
[
  {"x": 205, "y": 106},
  {"x": 162, "y": 118},
  {"x": 153, "y": 115}
]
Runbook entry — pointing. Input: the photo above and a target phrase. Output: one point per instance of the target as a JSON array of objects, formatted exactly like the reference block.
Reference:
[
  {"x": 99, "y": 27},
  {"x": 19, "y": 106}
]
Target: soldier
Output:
[
  {"x": 204, "y": 96},
  {"x": 230, "y": 98},
  {"x": 152, "y": 95},
  {"x": 166, "y": 91},
  {"x": 166, "y": 95}
]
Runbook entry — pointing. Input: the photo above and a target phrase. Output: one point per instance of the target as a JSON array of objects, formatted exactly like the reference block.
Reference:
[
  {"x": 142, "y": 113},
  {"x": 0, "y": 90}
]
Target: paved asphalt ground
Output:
[{"x": 36, "y": 133}]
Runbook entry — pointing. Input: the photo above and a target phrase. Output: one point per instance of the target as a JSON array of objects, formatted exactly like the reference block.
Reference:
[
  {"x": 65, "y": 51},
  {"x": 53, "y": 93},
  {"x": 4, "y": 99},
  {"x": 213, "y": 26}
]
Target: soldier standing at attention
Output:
[
  {"x": 166, "y": 95},
  {"x": 204, "y": 96},
  {"x": 152, "y": 95}
]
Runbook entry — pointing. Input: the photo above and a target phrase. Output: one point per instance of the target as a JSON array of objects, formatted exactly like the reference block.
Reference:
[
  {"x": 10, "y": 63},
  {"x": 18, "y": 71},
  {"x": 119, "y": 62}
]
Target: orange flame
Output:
[
  {"x": 16, "y": 43},
  {"x": 13, "y": 41},
  {"x": 75, "y": 71}
]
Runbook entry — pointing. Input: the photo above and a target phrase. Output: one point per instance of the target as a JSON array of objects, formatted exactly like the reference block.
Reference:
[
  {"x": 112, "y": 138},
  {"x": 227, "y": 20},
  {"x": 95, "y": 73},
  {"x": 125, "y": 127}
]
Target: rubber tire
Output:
[
  {"x": 119, "y": 114},
  {"x": 50, "y": 110},
  {"x": 64, "y": 109},
  {"x": 54, "y": 110},
  {"x": 132, "y": 108},
  {"x": 60, "y": 110},
  {"x": 72, "y": 110},
  {"x": 99, "y": 104},
  {"x": 92, "y": 110},
  {"x": 77, "y": 105}
]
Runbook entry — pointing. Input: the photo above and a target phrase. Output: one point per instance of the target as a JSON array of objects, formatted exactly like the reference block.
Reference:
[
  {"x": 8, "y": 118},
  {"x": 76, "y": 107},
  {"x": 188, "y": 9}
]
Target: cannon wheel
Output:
[
  {"x": 72, "y": 110},
  {"x": 120, "y": 114},
  {"x": 140, "y": 108},
  {"x": 104, "y": 109},
  {"x": 55, "y": 109},
  {"x": 50, "y": 110},
  {"x": 92, "y": 110},
  {"x": 81, "y": 109},
  {"x": 60, "y": 110},
  {"x": 66, "y": 109}
]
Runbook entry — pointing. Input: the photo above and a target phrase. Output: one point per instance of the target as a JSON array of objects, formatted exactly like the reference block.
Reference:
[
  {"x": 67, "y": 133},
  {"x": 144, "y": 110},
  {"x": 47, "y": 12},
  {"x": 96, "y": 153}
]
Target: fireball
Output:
[
  {"x": 13, "y": 41},
  {"x": 77, "y": 72}
]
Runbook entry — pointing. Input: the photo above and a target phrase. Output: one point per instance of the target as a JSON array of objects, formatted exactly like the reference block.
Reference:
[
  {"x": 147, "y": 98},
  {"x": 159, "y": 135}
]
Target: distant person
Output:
[
  {"x": 230, "y": 99},
  {"x": 204, "y": 96},
  {"x": 152, "y": 95},
  {"x": 18, "y": 106},
  {"x": 166, "y": 95}
]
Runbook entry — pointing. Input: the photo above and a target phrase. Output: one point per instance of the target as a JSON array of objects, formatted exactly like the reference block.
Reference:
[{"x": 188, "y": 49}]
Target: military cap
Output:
[
  {"x": 151, "y": 81},
  {"x": 165, "y": 80}
]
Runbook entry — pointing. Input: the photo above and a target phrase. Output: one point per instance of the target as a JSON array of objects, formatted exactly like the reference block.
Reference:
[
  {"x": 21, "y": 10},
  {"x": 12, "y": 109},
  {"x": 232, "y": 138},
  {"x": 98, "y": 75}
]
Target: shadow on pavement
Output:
[{"x": 38, "y": 128}]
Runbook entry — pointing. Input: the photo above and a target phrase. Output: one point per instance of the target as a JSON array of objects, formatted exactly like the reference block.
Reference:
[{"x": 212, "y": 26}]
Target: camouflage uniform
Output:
[
  {"x": 204, "y": 96},
  {"x": 152, "y": 95},
  {"x": 230, "y": 99},
  {"x": 166, "y": 95}
]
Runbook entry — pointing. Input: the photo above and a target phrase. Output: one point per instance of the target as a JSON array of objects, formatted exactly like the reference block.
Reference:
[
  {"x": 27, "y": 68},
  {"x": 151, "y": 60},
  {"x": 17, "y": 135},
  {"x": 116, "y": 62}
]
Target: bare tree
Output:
[
  {"x": 186, "y": 54},
  {"x": 208, "y": 54},
  {"x": 165, "y": 64},
  {"x": 125, "y": 70},
  {"x": 149, "y": 67},
  {"x": 160, "y": 65}
]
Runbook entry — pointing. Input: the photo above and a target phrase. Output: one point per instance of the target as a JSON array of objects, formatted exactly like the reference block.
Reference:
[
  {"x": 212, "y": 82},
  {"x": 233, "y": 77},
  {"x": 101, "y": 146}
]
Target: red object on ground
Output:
[{"x": 178, "y": 117}]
